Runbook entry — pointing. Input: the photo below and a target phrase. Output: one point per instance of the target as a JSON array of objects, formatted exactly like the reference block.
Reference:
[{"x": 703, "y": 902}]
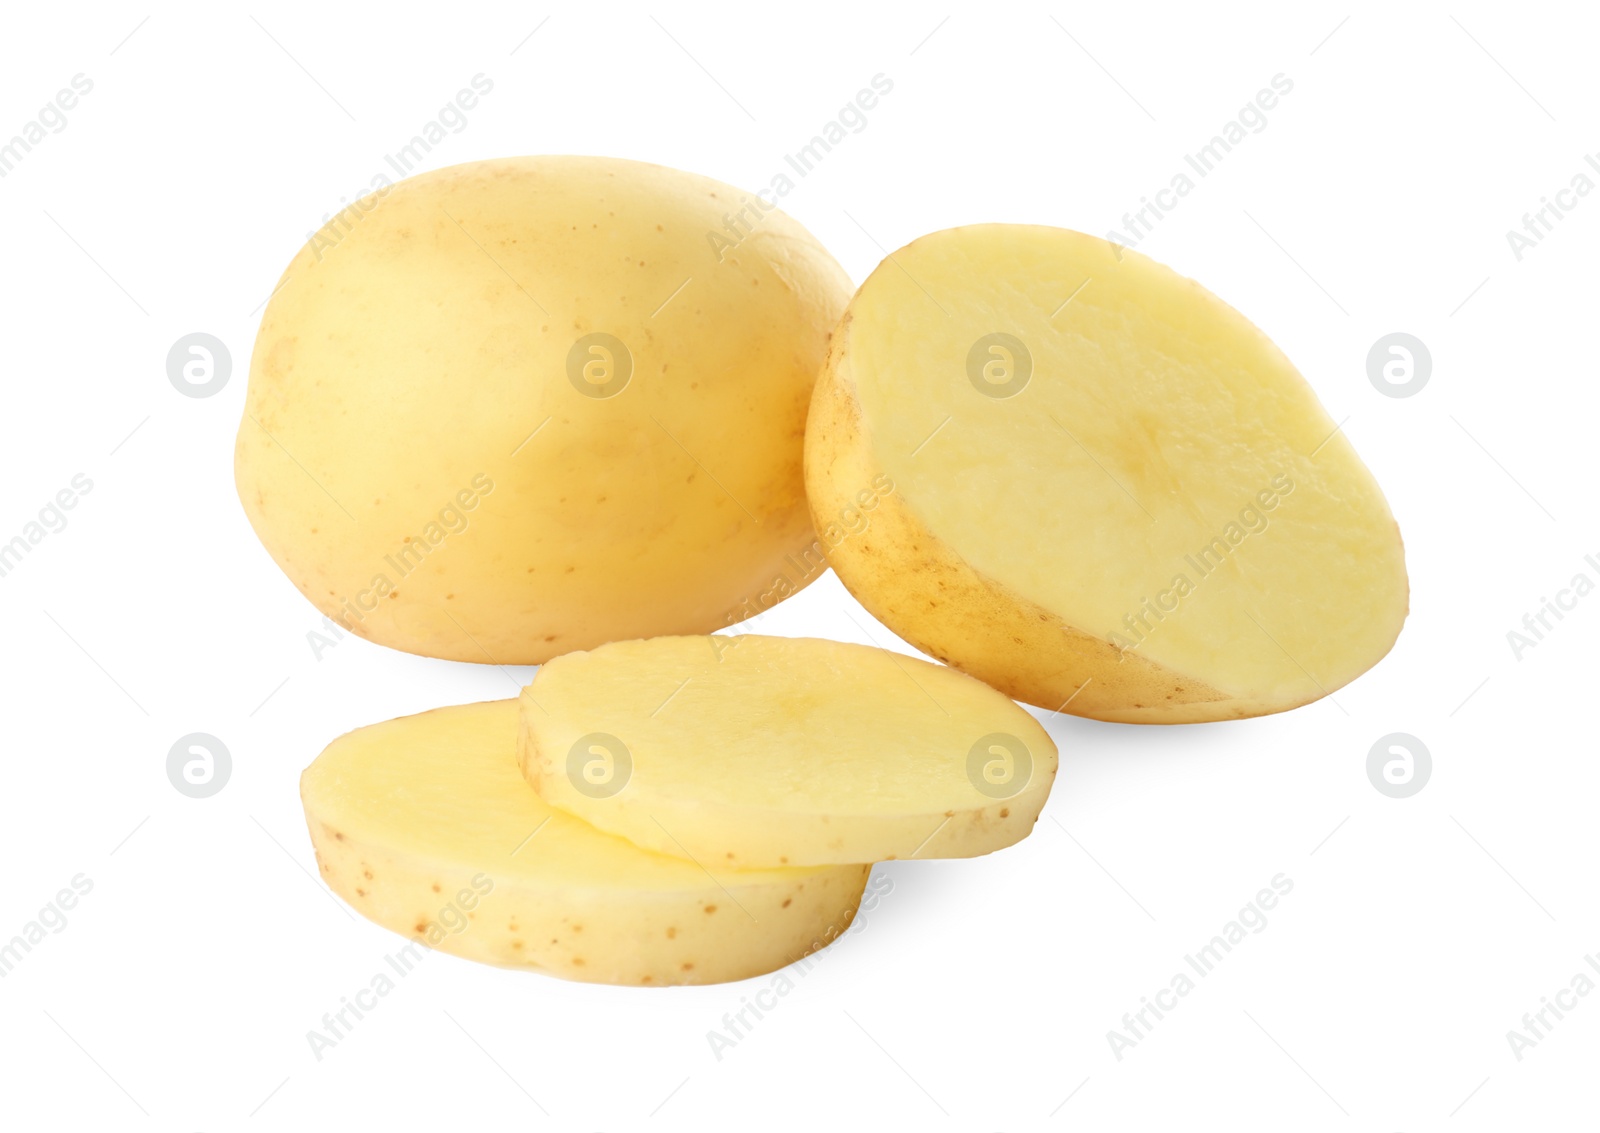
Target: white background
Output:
[{"x": 1419, "y": 931}]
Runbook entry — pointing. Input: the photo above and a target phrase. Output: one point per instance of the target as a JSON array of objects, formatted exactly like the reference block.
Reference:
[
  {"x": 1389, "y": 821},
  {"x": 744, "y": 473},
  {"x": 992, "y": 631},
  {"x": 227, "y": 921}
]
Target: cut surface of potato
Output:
[
  {"x": 426, "y": 826},
  {"x": 752, "y": 751},
  {"x": 1113, "y": 495},
  {"x": 508, "y": 409}
]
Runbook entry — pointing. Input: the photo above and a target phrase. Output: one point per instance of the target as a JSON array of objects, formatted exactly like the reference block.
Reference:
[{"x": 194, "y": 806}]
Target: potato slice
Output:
[
  {"x": 1113, "y": 495},
  {"x": 757, "y": 752},
  {"x": 425, "y": 825}
]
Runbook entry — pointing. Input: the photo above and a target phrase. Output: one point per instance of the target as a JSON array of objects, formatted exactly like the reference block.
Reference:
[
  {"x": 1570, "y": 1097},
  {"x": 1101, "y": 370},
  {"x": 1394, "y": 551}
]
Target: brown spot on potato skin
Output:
[
  {"x": 672, "y": 933},
  {"x": 711, "y": 909},
  {"x": 1005, "y": 812},
  {"x": 787, "y": 901}
]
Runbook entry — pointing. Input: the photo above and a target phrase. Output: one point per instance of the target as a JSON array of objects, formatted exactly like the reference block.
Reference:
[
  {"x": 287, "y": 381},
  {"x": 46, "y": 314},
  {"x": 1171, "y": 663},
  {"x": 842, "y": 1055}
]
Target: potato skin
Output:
[
  {"x": 423, "y": 451},
  {"x": 931, "y": 597},
  {"x": 639, "y": 939}
]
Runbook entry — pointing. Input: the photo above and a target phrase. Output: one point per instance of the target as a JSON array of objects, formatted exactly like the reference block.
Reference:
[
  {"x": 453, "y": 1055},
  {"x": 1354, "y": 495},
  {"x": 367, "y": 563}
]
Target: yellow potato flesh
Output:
[
  {"x": 761, "y": 751},
  {"x": 423, "y": 450},
  {"x": 1141, "y": 514},
  {"x": 426, "y": 826}
]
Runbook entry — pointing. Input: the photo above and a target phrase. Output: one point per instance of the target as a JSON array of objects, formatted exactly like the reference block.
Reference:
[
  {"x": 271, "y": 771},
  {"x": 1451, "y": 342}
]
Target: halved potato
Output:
[
  {"x": 758, "y": 752},
  {"x": 425, "y": 825},
  {"x": 1113, "y": 494}
]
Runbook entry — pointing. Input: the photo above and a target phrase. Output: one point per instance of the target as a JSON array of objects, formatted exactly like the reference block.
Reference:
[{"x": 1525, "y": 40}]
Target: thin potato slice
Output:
[
  {"x": 1113, "y": 494},
  {"x": 425, "y": 825},
  {"x": 759, "y": 752}
]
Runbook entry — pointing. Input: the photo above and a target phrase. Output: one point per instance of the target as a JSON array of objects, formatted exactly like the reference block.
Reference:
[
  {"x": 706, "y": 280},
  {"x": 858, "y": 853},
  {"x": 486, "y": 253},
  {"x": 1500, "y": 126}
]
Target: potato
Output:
[
  {"x": 1113, "y": 494},
  {"x": 758, "y": 752},
  {"x": 518, "y": 407},
  {"x": 425, "y": 825}
]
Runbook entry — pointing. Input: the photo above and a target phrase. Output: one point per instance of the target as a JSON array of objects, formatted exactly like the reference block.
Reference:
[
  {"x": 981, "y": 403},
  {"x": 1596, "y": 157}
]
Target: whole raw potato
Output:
[{"x": 510, "y": 409}]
